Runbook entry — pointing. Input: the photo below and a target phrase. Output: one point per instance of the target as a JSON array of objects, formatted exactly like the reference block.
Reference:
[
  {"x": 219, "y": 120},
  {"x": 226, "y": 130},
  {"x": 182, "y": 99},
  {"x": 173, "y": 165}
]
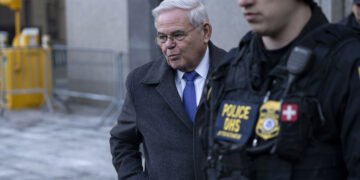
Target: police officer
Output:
[
  {"x": 353, "y": 20},
  {"x": 285, "y": 104}
]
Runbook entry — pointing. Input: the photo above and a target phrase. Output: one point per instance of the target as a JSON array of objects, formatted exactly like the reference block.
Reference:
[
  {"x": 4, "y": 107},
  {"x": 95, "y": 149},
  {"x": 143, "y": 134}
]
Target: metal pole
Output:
[
  {"x": 2, "y": 87},
  {"x": 46, "y": 86},
  {"x": 17, "y": 23}
]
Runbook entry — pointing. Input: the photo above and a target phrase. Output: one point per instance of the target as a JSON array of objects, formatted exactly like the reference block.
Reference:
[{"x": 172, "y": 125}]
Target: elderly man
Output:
[
  {"x": 285, "y": 103},
  {"x": 164, "y": 104},
  {"x": 353, "y": 20}
]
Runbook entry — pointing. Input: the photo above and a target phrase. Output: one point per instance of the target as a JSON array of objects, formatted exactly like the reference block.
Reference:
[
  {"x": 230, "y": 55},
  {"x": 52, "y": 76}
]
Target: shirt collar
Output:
[{"x": 202, "y": 69}]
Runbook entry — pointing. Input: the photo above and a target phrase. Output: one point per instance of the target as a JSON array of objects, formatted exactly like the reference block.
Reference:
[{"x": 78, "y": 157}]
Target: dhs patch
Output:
[{"x": 235, "y": 121}]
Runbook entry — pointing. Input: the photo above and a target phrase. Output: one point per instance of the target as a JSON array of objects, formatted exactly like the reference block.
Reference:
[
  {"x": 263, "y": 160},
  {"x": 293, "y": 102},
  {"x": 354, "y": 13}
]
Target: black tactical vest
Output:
[{"x": 295, "y": 153}]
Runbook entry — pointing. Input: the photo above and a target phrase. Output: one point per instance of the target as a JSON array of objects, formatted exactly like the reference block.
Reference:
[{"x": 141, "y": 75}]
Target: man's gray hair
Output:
[{"x": 197, "y": 12}]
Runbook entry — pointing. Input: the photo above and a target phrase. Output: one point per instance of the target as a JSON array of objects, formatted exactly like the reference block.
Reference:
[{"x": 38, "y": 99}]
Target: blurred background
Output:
[{"x": 63, "y": 64}]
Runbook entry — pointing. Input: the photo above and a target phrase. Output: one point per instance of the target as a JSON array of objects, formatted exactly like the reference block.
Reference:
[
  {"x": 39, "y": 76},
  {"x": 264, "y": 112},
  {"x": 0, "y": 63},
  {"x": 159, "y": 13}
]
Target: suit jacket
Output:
[{"x": 153, "y": 114}]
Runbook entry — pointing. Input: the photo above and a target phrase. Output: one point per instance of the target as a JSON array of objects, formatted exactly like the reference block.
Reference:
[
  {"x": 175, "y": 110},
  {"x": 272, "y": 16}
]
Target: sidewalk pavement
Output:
[{"x": 36, "y": 145}]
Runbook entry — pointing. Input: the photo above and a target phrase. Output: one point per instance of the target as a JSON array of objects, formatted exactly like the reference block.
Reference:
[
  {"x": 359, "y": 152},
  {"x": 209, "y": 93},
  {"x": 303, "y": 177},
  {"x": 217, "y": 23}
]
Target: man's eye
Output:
[
  {"x": 179, "y": 35},
  {"x": 162, "y": 37}
]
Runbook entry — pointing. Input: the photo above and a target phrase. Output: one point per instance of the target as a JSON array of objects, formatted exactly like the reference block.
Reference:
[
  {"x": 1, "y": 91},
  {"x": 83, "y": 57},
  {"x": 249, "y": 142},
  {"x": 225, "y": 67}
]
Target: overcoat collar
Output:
[{"x": 161, "y": 75}]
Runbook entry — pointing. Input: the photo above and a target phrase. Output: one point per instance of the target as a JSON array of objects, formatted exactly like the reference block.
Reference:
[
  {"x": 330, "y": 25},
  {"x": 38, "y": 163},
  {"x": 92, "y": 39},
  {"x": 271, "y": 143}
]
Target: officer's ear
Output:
[{"x": 206, "y": 31}]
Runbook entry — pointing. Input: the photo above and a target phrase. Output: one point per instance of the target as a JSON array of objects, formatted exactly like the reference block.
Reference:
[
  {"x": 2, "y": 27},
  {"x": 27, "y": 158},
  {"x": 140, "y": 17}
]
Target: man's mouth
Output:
[
  {"x": 173, "y": 56},
  {"x": 250, "y": 16}
]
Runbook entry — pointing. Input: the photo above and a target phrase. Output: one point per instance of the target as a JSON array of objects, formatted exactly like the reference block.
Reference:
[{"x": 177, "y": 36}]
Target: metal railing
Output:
[
  {"x": 89, "y": 73},
  {"x": 26, "y": 72}
]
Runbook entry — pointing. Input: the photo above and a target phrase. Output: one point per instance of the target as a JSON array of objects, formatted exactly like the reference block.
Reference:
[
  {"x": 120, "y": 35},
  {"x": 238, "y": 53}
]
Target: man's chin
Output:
[
  {"x": 260, "y": 32},
  {"x": 175, "y": 66},
  {"x": 257, "y": 29},
  {"x": 181, "y": 68}
]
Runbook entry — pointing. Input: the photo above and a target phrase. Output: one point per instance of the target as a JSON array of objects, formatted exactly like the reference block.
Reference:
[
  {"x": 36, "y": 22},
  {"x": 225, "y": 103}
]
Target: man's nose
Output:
[
  {"x": 170, "y": 43},
  {"x": 243, "y": 3}
]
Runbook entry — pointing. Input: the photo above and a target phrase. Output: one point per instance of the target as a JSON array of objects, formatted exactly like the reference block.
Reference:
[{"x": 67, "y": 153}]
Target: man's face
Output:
[
  {"x": 268, "y": 17},
  {"x": 356, "y": 11},
  {"x": 184, "y": 54}
]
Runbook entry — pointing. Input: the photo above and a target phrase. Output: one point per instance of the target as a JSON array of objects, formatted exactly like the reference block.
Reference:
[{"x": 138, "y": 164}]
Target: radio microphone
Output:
[
  {"x": 297, "y": 63},
  {"x": 298, "y": 60}
]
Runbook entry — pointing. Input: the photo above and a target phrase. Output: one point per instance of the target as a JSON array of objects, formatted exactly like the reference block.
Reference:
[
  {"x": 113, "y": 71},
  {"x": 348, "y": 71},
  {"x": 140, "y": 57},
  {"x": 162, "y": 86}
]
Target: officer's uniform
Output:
[
  {"x": 351, "y": 21},
  {"x": 265, "y": 128}
]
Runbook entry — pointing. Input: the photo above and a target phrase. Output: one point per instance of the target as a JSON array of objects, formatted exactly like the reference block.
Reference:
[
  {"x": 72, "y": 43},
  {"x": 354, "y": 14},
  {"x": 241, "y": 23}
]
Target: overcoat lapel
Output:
[
  {"x": 163, "y": 77},
  {"x": 168, "y": 91}
]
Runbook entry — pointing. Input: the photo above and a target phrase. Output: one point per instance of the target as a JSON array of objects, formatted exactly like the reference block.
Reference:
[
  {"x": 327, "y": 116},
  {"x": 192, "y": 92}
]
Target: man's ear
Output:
[{"x": 207, "y": 30}]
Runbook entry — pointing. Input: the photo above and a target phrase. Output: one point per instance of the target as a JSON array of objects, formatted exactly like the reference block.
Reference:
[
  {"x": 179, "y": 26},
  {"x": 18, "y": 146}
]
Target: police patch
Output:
[
  {"x": 235, "y": 121},
  {"x": 267, "y": 126},
  {"x": 359, "y": 71}
]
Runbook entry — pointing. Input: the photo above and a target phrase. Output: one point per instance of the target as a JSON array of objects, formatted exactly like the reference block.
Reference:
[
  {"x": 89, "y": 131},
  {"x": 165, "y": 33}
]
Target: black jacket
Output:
[
  {"x": 351, "y": 22},
  {"x": 326, "y": 138},
  {"x": 153, "y": 114}
]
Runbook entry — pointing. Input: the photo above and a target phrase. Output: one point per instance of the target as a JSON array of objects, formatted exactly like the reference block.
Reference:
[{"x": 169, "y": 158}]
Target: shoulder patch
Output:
[{"x": 359, "y": 72}]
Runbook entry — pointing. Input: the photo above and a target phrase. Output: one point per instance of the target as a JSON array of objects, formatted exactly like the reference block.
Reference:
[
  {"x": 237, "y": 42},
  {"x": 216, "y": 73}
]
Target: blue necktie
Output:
[{"x": 189, "y": 95}]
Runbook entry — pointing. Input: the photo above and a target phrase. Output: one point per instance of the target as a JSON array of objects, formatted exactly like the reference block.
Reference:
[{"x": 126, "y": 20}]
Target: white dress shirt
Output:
[{"x": 202, "y": 70}]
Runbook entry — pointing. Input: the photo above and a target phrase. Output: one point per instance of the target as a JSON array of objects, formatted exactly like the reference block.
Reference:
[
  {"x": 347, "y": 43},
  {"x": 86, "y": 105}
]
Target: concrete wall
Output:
[
  {"x": 334, "y": 10},
  {"x": 38, "y": 15},
  {"x": 62, "y": 34},
  {"x": 142, "y": 47},
  {"x": 95, "y": 24},
  {"x": 348, "y": 6},
  {"x": 227, "y": 22},
  {"x": 7, "y": 16}
]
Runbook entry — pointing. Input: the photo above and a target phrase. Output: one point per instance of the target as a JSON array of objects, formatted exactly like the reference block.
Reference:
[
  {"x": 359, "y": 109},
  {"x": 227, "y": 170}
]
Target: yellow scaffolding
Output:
[
  {"x": 25, "y": 68},
  {"x": 26, "y": 77}
]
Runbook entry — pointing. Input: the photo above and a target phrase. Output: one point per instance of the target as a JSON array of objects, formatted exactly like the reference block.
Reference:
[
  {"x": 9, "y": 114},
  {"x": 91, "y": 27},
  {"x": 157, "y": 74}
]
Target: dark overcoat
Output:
[{"x": 153, "y": 114}]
